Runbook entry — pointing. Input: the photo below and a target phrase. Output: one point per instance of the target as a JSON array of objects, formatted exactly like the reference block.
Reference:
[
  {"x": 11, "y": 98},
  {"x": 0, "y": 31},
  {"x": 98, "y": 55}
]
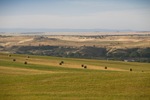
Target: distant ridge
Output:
[{"x": 60, "y": 30}]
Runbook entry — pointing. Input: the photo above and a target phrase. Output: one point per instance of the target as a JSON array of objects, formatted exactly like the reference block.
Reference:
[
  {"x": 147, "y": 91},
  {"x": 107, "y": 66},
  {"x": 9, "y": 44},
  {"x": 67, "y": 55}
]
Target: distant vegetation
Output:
[{"x": 131, "y": 54}]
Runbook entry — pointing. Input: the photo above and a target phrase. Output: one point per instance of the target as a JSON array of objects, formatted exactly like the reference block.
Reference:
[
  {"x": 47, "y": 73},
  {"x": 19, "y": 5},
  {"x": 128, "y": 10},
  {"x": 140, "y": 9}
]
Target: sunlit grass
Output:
[{"x": 72, "y": 83}]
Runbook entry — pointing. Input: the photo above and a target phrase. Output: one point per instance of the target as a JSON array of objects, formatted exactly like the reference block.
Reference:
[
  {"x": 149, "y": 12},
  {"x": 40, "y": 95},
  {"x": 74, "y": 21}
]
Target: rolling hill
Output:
[{"x": 43, "y": 77}]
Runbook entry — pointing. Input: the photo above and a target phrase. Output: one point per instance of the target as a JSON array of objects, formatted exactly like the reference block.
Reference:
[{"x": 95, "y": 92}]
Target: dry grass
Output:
[
  {"x": 129, "y": 41},
  {"x": 43, "y": 79}
]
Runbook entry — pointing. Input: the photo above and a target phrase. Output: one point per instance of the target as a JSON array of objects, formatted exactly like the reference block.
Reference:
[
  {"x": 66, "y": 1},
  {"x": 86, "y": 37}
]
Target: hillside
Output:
[
  {"x": 115, "y": 47},
  {"x": 43, "y": 77}
]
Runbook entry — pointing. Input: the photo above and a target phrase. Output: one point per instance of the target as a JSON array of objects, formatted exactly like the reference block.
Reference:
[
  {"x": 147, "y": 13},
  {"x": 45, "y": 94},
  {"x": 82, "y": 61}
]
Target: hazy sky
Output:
[{"x": 82, "y": 14}]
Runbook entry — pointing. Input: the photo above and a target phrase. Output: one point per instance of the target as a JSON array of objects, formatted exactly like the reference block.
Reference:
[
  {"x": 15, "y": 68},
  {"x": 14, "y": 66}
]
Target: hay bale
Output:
[
  {"x": 62, "y": 62},
  {"x": 130, "y": 69},
  {"x": 28, "y": 56},
  {"x": 14, "y": 59},
  {"x": 82, "y": 65},
  {"x": 105, "y": 67},
  {"x": 25, "y": 62},
  {"x": 85, "y": 67}
]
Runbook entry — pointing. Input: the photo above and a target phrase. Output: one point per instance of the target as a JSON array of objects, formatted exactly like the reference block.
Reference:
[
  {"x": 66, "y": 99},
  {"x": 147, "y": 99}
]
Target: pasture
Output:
[{"x": 43, "y": 78}]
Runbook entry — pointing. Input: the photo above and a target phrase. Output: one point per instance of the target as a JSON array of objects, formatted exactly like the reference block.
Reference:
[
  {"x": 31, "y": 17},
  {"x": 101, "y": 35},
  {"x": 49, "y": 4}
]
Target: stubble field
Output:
[{"x": 42, "y": 78}]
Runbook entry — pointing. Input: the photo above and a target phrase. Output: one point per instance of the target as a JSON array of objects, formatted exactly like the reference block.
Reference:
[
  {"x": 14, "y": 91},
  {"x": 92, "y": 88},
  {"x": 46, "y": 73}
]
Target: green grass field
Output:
[{"x": 42, "y": 78}]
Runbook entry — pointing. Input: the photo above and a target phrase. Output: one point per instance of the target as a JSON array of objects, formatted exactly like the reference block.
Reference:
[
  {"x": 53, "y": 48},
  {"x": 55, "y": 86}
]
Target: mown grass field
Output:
[{"x": 42, "y": 78}]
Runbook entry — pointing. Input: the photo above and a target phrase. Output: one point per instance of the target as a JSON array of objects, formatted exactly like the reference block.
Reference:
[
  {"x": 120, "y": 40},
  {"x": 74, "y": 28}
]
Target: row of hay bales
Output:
[
  {"x": 62, "y": 62},
  {"x": 84, "y": 66},
  {"x": 15, "y": 59}
]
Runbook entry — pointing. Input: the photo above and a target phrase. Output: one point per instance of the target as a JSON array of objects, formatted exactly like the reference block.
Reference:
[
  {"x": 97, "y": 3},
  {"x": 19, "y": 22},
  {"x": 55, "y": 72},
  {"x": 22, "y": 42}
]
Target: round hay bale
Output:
[
  {"x": 25, "y": 62},
  {"x": 60, "y": 63},
  {"x": 82, "y": 65},
  {"x": 14, "y": 59},
  {"x": 105, "y": 67},
  {"x": 130, "y": 69},
  {"x": 85, "y": 67}
]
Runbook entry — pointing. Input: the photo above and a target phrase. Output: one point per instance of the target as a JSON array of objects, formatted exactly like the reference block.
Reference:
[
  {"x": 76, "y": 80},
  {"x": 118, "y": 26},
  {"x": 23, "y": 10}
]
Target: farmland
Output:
[
  {"x": 44, "y": 78},
  {"x": 74, "y": 49}
]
